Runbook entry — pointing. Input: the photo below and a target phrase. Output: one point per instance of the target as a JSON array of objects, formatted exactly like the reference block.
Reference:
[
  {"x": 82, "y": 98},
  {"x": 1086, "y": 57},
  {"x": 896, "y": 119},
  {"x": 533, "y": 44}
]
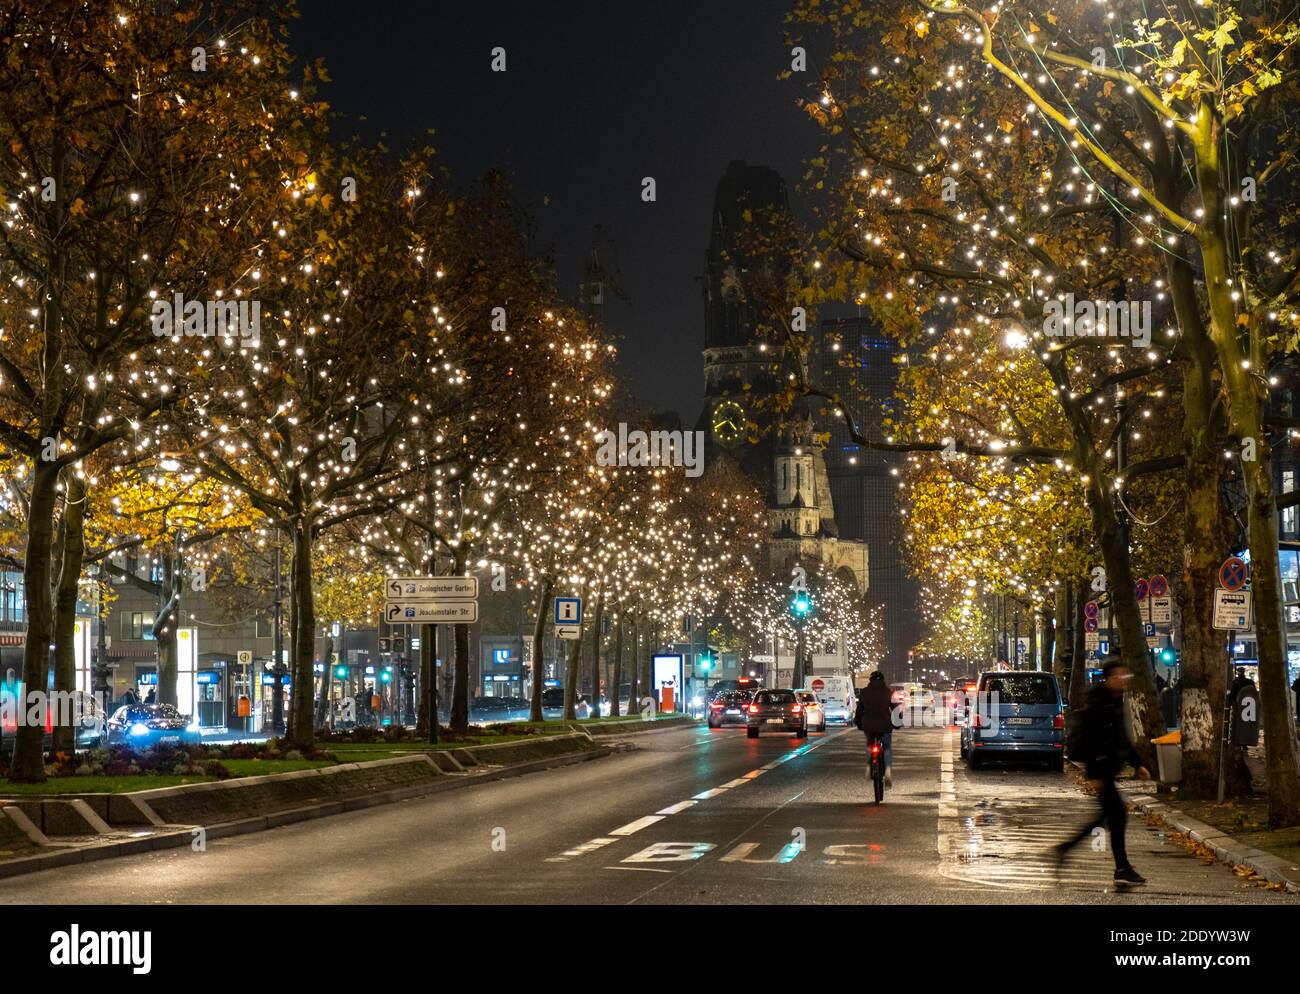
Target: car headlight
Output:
[
  {"x": 696, "y": 702},
  {"x": 139, "y": 728}
]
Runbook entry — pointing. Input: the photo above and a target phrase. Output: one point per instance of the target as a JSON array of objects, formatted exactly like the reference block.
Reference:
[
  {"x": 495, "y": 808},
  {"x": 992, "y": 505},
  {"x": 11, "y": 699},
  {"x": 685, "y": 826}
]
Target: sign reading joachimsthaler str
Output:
[{"x": 458, "y": 612}]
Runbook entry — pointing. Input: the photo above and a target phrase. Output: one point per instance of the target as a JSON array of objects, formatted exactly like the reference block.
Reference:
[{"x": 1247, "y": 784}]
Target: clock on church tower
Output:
[{"x": 728, "y": 422}]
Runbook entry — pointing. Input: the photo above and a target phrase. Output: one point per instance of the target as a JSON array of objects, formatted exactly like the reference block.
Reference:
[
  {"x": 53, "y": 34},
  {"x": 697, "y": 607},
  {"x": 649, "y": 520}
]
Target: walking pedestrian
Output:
[{"x": 1105, "y": 747}]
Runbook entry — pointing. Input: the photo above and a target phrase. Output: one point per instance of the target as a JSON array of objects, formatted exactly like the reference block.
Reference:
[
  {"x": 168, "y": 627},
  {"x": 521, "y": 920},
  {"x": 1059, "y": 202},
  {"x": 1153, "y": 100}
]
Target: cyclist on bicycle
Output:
[{"x": 875, "y": 716}]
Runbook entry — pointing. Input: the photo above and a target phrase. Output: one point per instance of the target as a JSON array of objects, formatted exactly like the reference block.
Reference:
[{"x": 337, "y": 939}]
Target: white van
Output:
[{"x": 837, "y": 694}]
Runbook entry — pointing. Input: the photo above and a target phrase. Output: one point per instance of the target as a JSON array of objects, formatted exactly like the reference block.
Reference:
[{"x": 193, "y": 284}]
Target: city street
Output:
[{"x": 689, "y": 817}]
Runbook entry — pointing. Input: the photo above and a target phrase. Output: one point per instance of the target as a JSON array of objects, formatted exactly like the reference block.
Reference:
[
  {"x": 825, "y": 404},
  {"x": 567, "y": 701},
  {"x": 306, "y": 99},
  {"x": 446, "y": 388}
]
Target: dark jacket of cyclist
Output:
[{"x": 874, "y": 715}]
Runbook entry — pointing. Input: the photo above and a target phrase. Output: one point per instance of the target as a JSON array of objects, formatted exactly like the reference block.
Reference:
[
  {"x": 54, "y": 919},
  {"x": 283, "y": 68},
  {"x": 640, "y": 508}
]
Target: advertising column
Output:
[{"x": 187, "y": 657}]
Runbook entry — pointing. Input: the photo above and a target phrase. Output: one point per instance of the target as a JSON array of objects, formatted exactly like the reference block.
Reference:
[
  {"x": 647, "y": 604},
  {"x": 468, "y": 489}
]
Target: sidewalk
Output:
[{"x": 1278, "y": 863}]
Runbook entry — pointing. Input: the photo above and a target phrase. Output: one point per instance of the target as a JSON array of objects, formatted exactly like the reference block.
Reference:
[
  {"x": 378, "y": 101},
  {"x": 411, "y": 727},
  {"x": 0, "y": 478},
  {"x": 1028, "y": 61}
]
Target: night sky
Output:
[{"x": 596, "y": 96}]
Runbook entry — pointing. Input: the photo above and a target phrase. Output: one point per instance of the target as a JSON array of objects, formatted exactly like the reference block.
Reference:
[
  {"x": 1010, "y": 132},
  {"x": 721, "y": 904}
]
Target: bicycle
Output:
[{"x": 876, "y": 759}]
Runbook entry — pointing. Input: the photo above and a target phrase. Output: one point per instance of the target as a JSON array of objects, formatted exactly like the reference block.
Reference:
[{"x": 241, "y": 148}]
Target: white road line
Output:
[
  {"x": 635, "y": 826},
  {"x": 705, "y": 795},
  {"x": 674, "y": 808},
  {"x": 738, "y": 782},
  {"x": 752, "y": 774},
  {"x": 586, "y": 847},
  {"x": 639, "y": 869}
]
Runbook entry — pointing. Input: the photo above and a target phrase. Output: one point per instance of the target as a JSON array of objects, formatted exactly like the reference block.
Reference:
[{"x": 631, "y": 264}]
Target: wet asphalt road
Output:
[{"x": 691, "y": 816}]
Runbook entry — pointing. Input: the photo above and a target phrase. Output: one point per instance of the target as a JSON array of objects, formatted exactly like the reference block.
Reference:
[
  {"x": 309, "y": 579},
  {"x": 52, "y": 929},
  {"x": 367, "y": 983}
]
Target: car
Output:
[
  {"x": 145, "y": 725},
  {"x": 1018, "y": 714},
  {"x": 729, "y": 708},
  {"x": 813, "y": 708},
  {"x": 838, "y": 696},
  {"x": 776, "y": 711}
]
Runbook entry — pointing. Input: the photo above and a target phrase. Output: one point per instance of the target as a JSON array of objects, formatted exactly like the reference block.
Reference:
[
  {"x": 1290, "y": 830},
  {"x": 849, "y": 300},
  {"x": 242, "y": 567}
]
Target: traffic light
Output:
[
  {"x": 341, "y": 672},
  {"x": 802, "y": 605},
  {"x": 1168, "y": 656},
  {"x": 386, "y": 675},
  {"x": 704, "y": 663}
]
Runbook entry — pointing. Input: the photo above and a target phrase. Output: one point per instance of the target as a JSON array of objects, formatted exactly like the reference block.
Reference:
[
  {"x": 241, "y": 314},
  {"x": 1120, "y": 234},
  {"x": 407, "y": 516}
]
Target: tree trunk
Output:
[
  {"x": 1205, "y": 663},
  {"x": 1112, "y": 540},
  {"x": 168, "y": 661},
  {"x": 460, "y": 691},
  {"x": 303, "y": 734},
  {"x": 539, "y": 667},
  {"x": 1061, "y": 635},
  {"x": 28, "y": 758},
  {"x": 428, "y": 680},
  {"x": 460, "y": 688},
  {"x": 65, "y": 605},
  {"x": 571, "y": 679},
  {"x": 616, "y": 676}
]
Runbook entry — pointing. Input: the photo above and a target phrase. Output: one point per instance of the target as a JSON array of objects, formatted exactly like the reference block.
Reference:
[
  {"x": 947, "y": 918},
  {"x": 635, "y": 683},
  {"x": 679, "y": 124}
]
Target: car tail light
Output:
[
  {"x": 716, "y": 706},
  {"x": 1058, "y": 722},
  {"x": 753, "y": 709},
  {"x": 795, "y": 709}
]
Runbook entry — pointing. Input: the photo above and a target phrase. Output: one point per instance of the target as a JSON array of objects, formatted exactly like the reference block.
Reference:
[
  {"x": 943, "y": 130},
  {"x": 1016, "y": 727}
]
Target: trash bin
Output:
[{"x": 1169, "y": 757}]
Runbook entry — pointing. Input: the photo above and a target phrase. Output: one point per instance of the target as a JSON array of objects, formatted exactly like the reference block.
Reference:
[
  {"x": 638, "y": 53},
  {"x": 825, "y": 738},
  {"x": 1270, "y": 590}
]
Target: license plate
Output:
[
  {"x": 170, "y": 740},
  {"x": 775, "y": 721},
  {"x": 732, "y": 711},
  {"x": 1020, "y": 721}
]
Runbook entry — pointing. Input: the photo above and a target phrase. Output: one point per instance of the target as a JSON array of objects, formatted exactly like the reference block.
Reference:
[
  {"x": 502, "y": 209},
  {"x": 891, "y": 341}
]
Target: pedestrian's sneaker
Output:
[
  {"x": 1128, "y": 875},
  {"x": 889, "y": 777}
]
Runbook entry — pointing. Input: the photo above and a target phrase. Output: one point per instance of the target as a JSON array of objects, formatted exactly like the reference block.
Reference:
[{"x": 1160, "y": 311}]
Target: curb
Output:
[
  {"x": 1226, "y": 849},
  {"x": 184, "y": 835},
  {"x": 676, "y": 727},
  {"x": 1274, "y": 869}
]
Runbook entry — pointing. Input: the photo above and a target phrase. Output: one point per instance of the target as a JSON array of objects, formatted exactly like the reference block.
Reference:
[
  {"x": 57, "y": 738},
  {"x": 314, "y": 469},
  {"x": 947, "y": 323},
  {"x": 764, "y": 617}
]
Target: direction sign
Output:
[
  {"x": 1232, "y": 574},
  {"x": 440, "y": 612},
  {"x": 568, "y": 610},
  {"x": 1159, "y": 585},
  {"x": 1162, "y": 609},
  {"x": 568, "y": 632},
  {"x": 431, "y": 588},
  {"x": 1231, "y": 609},
  {"x": 763, "y": 659}
]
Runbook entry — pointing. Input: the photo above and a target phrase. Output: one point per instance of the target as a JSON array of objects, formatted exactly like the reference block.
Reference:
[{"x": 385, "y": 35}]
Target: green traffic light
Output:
[
  {"x": 1166, "y": 655},
  {"x": 385, "y": 676},
  {"x": 802, "y": 605},
  {"x": 341, "y": 672}
]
